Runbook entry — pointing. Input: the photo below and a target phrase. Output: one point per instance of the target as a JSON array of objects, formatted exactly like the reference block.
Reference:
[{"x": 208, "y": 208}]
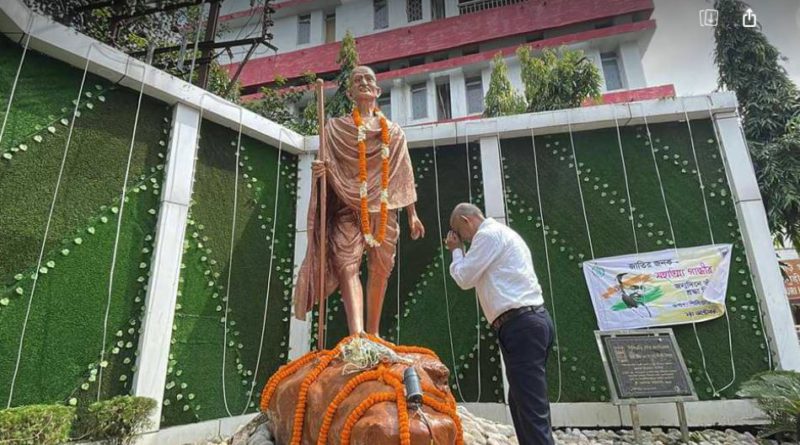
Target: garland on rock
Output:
[{"x": 438, "y": 400}]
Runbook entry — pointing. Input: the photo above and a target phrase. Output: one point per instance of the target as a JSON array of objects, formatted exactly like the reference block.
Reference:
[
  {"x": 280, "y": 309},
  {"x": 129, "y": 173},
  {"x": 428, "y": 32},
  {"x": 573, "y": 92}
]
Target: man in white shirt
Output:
[{"x": 499, "y": 265}]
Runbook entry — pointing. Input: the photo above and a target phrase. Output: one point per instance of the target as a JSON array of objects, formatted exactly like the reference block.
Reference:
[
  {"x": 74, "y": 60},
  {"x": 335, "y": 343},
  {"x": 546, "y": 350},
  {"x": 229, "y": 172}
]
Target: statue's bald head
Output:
[
  {"x": 363, "y": 69},
  {"x": 363, "y": 84},
  {"x": 465, "y": 220}
]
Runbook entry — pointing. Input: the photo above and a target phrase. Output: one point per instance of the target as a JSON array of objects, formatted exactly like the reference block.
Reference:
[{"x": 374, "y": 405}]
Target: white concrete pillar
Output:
[
  {"x": 400, "y": 107},
  {"x": 594, "y": 55},
  {"x": 486, "y": 80},
  {"x": 514, "y": 74},
  {"x": 300, "y": 331},
  {"x": 493, "y": 198},
  {"x": 165, "y": 269},
  {"x": 398, "y": 15},
  {"x": 317, "y": 35},
  {"x": 432, "y": 100},
  {"x": 492, "y": 178},
  {"x": 458, "y": 93},
  {"x": 758, "y": 242},
  {"x": 450, "y": 8},
  {"x": 426, "y": 11},
  {"x": 631, "y": 65}
]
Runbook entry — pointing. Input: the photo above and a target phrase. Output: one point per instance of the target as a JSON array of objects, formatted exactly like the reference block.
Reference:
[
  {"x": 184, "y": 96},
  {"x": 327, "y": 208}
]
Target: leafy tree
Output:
[
  {"x": 340, "y": 104},
  {"x": 770, "y": 105},
  {"x": 502, "y": 99},
  {"x": 160, "y": 29},
  {"x": 280, "y": 104},
  {"x": 558, "y": 79}
]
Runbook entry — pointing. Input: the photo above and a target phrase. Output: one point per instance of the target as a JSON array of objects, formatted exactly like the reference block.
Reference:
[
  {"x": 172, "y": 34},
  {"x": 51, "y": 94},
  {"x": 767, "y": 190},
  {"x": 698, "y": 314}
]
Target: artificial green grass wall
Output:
[
  {"x": 602, "y": 183},
  {"x": 420, "y": 282},
  {"x": 63, "y": 340},
  {"x": 196, "y": 389}
]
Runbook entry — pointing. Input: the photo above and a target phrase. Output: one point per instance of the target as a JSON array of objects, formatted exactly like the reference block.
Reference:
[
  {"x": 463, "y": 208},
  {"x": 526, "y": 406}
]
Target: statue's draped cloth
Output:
[{"x": 346, "y": 243}]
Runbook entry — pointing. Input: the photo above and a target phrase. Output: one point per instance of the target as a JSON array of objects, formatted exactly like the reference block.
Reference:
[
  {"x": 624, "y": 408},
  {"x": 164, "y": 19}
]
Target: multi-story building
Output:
[{"x": 433, "y": 57}]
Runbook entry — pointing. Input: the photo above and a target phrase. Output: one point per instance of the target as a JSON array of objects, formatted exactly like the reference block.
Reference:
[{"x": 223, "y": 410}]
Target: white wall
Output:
[
  {"x": 682, "y": 52},
  {"x": 358, "y": 17},
  {"x": 458, "y": 94},
  {"x": 630, "y": 63}
]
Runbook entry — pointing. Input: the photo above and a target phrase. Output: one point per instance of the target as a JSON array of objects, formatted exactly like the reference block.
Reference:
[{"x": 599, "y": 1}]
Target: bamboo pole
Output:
[{"x": 322, "y": 232}]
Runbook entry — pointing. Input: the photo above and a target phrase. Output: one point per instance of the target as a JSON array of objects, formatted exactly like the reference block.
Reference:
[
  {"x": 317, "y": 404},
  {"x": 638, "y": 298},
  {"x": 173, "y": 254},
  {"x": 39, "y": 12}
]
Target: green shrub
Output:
[
  {"x": 36, "y": 424},
  {"x": 501, "y": 98},
  {"x": 778, "y": 395},
  {"x": 558, "y": 79},
  {"x": 116, "y": 420}
]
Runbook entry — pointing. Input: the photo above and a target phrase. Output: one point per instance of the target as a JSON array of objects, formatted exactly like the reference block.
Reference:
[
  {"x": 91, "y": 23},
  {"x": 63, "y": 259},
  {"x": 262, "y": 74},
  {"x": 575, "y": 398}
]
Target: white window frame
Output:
[
  {"x": 419, "y": 87},
  {"x": 408, "y": 11},
  {"x": 615, "y": 57},
  {"x": 472, "y": 81},
  {"x": 375, "y": 23},
  {"x": 304, "y": 19}
]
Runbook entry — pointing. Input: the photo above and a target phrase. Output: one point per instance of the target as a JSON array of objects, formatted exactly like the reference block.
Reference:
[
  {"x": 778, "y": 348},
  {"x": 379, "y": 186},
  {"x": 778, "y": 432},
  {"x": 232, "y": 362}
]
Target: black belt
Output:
[{"x": 511, "y": 313}]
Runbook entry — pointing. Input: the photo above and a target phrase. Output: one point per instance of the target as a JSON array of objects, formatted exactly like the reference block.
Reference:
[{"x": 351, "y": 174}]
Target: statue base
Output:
[{"x": 354, "y": 394}]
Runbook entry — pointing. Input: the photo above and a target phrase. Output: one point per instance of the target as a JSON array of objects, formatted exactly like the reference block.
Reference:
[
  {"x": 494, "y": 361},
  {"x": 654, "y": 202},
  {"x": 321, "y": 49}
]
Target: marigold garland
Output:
[
  {"x": 448, "y": 410},
  {"x": 300, "y": 409},
  {"x": 346, "y": 390},
  {"x": 362, "y": 177},
  {"x": 282, "y": 373},
  {"x": 359, "y": 411},
  {"x": 382, "y": 373},
  {"x": 404, "y": 423}
]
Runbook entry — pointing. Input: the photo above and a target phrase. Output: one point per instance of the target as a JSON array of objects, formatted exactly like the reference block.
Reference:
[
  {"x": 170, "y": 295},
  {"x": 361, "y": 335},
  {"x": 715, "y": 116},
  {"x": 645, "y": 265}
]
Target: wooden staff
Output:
[{"x": 323, "y": 196}]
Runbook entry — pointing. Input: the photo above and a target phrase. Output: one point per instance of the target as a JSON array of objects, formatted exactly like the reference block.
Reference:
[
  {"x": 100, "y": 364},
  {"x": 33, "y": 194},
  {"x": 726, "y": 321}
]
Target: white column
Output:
[
  {"x": 631, "y": 65},
  {"x": 300, "y": 331},
  {"x": 450, "y": 8},
  {"x": 493, "y": 199},
  {"x": 400, "y": 108},
  {"x": 397, "y": 14},
  {"x": 758, "y": 241},
  {"x": 432, "y": 100},
  {"x": 426, "y": 11},
  {"x": 492, "y": 178},
  {"x": 594, "y": 55},
  {"x": 317, "y": 35},
  {"x": 165, "y": 269},
  {"x": 458, "y": 94}
]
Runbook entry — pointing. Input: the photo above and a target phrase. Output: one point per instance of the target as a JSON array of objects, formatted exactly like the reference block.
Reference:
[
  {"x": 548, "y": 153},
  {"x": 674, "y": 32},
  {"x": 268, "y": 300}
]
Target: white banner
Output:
[{"x": 667, "y": 287}]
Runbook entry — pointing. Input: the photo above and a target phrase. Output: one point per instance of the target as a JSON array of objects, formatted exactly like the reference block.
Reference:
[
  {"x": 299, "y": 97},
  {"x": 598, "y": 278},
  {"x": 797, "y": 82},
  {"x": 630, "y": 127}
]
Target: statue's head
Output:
[{"x": 363, "y": 85}]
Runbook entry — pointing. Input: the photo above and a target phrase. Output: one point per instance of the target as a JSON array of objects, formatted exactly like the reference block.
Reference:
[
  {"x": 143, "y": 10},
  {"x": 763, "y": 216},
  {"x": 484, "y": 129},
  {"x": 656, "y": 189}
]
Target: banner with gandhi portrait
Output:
[{"x": 667, "y": 287}]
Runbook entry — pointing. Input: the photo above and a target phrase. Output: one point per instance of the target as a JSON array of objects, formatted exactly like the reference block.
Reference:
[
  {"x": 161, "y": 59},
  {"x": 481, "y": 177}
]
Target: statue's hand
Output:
[
  {"x": 318, "y": 168},
  {"x": 417, "y": 229}
]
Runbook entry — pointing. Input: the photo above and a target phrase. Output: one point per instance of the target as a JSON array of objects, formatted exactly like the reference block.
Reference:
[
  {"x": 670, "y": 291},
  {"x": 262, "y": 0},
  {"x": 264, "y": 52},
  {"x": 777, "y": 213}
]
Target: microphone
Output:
[{"x": 413, "y": 386}]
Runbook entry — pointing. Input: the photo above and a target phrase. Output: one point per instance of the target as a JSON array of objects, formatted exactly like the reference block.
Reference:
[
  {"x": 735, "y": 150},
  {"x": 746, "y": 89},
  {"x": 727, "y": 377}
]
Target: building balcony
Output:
[
  {"x": 472, "y": 6},
  {"x": 526, "y": 18}
]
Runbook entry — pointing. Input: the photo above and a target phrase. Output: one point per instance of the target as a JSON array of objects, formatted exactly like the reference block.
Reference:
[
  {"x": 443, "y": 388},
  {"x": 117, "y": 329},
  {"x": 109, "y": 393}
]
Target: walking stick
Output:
[{"x": 323, "y": 196}]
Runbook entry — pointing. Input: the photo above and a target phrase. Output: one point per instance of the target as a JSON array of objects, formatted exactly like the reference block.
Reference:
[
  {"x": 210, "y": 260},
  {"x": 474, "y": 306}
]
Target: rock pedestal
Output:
[{"x": 315, "y": 400}]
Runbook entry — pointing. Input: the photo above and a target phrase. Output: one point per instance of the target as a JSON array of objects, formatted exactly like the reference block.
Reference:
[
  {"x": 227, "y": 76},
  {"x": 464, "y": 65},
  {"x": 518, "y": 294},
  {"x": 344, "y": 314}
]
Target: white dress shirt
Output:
[{"x": 499, "y": 265}]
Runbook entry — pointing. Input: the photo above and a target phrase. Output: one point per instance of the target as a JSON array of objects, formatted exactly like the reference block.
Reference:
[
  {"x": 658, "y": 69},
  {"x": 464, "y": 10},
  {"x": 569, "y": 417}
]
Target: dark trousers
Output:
[{"x": 525, "y": 342}]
